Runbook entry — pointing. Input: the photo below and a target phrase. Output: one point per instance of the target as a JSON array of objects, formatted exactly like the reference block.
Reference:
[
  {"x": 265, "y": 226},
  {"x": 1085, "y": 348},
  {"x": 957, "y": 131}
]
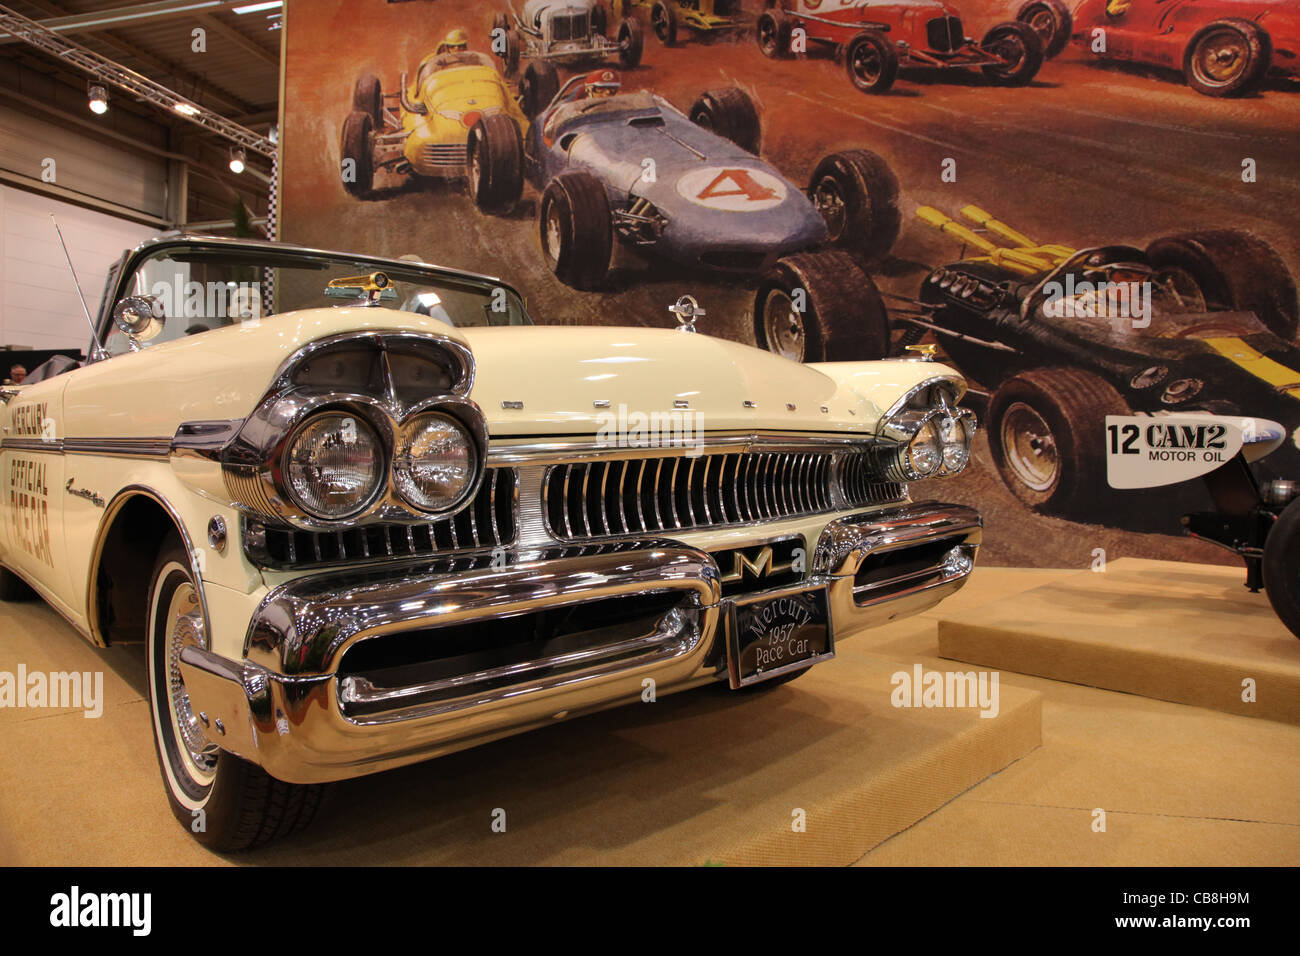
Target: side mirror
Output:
[{"x": 140, "y": 317}]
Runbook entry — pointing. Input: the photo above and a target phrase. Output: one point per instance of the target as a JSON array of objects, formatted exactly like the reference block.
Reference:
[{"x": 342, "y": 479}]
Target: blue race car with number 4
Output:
[{"x": 691, "y": 189}]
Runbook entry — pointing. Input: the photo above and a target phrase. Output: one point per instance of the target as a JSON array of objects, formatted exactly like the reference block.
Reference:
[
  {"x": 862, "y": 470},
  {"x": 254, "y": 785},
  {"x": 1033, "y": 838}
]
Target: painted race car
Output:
[
  {"x": 1222, "y": 47},
  {"x": 690, "y": 188},
  {"x": 671, "y": 19},
  {"x": 876, "y": 39},
  {"x": 1062, "y": 337},
  {"x": 570, "y": 33},
  {"x": 354, "y": 529},
  {"x": 423, "y": 129}
]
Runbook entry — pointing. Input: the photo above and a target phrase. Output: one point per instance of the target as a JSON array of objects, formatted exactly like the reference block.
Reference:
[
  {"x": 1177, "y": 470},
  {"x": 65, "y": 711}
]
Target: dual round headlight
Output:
[
  {"x": 334, "y": 465},
  {"x": 940, "y": 445}
]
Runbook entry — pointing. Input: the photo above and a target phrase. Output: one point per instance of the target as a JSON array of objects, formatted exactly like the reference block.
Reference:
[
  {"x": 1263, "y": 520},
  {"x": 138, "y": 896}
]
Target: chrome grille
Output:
[
  {"x": 861, "y": 483},
  {"x": 487, "y": 522},
  {"x": 572, "y": 27},
  {"x": 650, "y": 495},
  {"x": 444, "y": 154},
  {"x": 944, "y": 34}
]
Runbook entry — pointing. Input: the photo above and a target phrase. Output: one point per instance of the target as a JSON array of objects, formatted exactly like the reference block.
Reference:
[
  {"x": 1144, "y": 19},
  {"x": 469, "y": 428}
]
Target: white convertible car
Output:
[{"x": 362, "y": 513}]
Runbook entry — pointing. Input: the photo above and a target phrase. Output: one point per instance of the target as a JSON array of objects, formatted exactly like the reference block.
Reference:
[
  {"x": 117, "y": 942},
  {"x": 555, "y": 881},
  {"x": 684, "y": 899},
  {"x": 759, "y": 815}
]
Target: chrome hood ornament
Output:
[{"x": 687, "y": 310}]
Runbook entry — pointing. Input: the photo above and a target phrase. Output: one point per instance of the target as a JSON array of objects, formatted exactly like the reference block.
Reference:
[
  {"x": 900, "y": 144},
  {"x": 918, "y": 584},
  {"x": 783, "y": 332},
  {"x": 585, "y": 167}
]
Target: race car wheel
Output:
[
  {"x": 537, "y": 87},
  {"x": 14, "y": 588},
  {"x": 1019, "y": 47},
  {"x": 857, "y": 194},
  {"x": 1047, "y": 435},
  {"x": 1227, "y": 58},
  {"x": 1052, "y": 22},
  {"x": 732, "y": 115},
  {"x": 358, "y": 147},
  {"x": 1235, "y": 272},
  {"x": 225, "y": 802},
  {"x": 496, "y": 163},
  {"x": 871, "y": 62},
  {"x": 663, "y": 20},
  {"x": 514, "y": 50},
  {"x": 576, "y": 228},
  {"x": 1282, "y": 566},
  {"x": 368, "y": 97},
  {"x": 631, "y": 43},
  {"x": 773, "y": 32},
  {"x": 821, "y": 307}
]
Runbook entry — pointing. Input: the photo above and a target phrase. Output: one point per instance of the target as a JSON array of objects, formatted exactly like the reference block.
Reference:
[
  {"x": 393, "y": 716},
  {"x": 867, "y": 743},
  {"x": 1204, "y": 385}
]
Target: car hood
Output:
[{"x": 559, "y": 374}]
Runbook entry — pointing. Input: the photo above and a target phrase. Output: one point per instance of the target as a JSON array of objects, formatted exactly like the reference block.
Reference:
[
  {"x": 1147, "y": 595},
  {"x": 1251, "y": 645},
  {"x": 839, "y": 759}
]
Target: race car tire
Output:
[
  {"x": 357, "y": 147},
  {"x": 14, "y": 588},
  {"x": 1236, "y": 272},
  {"x": 731, "y": 114},
  {"x": 225, "y": 802},
  {"x": 1047, "y": 436},
  {"x": 496, "y": 163},
  {"x": 663, "y": 20},
  {"x": 871, "y": 62},
  {"x": 773, "y": 32},
  {"x": 537, "y": 87},
  {"x": 1052, "y": 22},
  {"x": 514, "y": 50},
  {"x": 599, "y": 20},
  {"x": 1281, "y": 567},
  {"x": 1251, "y": 46},
  {"x": 576, "y": 229},
  {"x": 857, "y": 194},
  {"x": 368, "y": 97},
  {"x": 1016, "y": 41},
  {"x": 843, "y": 317},
  {"x": 631, "y": 43}
]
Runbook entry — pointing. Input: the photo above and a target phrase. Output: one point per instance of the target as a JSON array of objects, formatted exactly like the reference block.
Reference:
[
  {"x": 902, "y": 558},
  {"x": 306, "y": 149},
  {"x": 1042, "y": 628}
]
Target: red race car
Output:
[
  {"x": 877, "y": 38},
  {"x": 1223, "y": 47}
]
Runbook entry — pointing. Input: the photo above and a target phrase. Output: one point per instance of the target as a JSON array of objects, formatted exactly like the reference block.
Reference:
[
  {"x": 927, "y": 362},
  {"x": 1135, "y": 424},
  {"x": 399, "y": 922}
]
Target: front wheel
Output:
[
  {"x": 871, "y": 62},
  {"x": 631, "y": 43},
  {"x": 1047, "y": 433},
  {"x": 1051, "y": 20},
  {"x": 1019, "y": 48},
  {"x": 496, "y": 163},
  {"x": 663, "y": 20},
  {"x": 227, "y": 803},
  {"x": 577, "y": 231},
  {"x": 1227, "y": 58},
  {"x": 537, "y": 87},
  {"x": 358, "y": 168},
  {"x": 773, "y": 32},
  {"x": 731, "y": 114},
  {"x": 857, "y": 194},
  {"x": 821, "y": 307},
  {"x": 1282, "y": 567}
]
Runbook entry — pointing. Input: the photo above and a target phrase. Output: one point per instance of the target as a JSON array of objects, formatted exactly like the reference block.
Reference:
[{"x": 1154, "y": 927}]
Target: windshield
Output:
[{"x": 203, "y": 288}]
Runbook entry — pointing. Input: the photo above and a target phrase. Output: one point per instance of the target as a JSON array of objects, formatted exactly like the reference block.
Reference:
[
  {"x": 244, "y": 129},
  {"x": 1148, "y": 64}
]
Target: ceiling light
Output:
[
  {"x": 98, "y": 99},
  {"x": 258, "y": 7},
  {"x": 186, "y": 109},
  {"x": 237, "y": 156}
]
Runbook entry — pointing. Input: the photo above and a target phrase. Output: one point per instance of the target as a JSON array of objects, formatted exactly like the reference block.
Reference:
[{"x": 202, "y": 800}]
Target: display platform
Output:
[
  {"x": 709, "y": 776},
  {"x": 1186, "y": 633}
]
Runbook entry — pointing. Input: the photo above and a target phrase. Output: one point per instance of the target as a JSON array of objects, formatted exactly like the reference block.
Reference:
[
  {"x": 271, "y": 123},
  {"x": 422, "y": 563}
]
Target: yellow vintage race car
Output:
[{"x": 424, "y": 128}]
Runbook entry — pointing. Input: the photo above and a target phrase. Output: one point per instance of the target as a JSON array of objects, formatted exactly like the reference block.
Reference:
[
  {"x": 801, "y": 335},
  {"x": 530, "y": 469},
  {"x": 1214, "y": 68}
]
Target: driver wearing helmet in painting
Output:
[
  {"x": 602, "y": 84},
  {"x": 456, "y": 41},
  {"x": 598, "y": 85}
]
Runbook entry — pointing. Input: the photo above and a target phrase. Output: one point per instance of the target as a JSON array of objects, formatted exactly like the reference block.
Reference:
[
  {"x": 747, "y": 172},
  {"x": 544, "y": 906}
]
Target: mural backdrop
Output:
[{"x": 788, "y": 164}]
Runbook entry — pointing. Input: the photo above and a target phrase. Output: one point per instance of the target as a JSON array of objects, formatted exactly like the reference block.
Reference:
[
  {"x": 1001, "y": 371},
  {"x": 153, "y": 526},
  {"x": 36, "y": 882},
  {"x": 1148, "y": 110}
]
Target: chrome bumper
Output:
[{"x": 293, "y": 706}]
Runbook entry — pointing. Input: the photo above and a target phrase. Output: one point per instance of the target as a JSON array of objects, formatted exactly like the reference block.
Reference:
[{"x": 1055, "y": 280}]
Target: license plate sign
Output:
[{"x": 777, "y": 635}]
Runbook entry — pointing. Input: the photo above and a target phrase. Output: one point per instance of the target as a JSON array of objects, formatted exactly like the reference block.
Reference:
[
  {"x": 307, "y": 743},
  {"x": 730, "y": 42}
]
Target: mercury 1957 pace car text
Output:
[{"x": 355, "y": 528}]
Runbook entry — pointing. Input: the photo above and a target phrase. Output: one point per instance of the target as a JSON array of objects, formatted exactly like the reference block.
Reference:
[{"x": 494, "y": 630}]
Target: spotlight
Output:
[
  {"x": 98, "y": 99},
  {"x": 237, "y": 156},
  {"x": 186, "y": 109}
]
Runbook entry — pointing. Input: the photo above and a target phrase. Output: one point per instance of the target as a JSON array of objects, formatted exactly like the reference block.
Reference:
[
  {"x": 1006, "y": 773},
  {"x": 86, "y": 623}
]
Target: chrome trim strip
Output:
[
  {"x": 571, "y": 452},
  {"x": 49, "y": 446}
]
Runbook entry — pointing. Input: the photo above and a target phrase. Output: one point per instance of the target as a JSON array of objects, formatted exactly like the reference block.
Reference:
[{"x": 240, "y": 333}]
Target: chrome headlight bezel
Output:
[
  {"x": 927, "y": 409},
  {"x": 363, "y": 427}
]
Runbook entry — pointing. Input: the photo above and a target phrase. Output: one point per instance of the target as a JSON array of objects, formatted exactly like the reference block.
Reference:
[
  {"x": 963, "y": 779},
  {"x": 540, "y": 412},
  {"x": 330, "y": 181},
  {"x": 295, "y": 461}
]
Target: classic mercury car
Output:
[{"x": 362, "y": 513}]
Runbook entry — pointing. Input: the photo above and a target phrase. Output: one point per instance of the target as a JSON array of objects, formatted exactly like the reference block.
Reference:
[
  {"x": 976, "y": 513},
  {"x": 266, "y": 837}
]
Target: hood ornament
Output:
[
  {"x": 921, "y": 353},
  {"x": 687, "y": 310}
]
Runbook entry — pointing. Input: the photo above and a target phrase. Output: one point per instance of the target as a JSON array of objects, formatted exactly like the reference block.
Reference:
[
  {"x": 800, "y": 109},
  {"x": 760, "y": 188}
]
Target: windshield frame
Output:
[{"x": 127, "y": 266}]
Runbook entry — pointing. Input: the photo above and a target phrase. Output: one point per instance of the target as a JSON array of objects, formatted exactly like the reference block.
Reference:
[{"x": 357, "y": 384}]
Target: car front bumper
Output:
[{"x": 297, "y": 707}]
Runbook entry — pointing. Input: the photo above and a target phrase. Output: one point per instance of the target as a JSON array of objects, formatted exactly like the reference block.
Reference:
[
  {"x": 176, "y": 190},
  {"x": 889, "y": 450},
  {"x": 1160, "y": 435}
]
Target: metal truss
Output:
[{"x": 104, "y": 70}]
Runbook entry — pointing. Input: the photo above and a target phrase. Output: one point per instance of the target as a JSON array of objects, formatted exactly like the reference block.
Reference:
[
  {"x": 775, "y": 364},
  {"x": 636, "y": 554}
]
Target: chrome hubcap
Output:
[
  {"x": 1030, "y": 447},
  {"x": 553, "y": 239},
  {"x": 783, "y": 326},
  {"x": 866, "y": 64},
  {"x": 184, "y": 628},
  {"x": 830, "y": 203},
  {"x": 1220, "y": 58}
]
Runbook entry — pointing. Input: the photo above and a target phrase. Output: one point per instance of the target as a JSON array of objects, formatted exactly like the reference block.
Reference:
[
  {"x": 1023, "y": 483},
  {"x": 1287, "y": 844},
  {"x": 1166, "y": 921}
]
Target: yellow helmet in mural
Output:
[{"x": 456, "y": 41}]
